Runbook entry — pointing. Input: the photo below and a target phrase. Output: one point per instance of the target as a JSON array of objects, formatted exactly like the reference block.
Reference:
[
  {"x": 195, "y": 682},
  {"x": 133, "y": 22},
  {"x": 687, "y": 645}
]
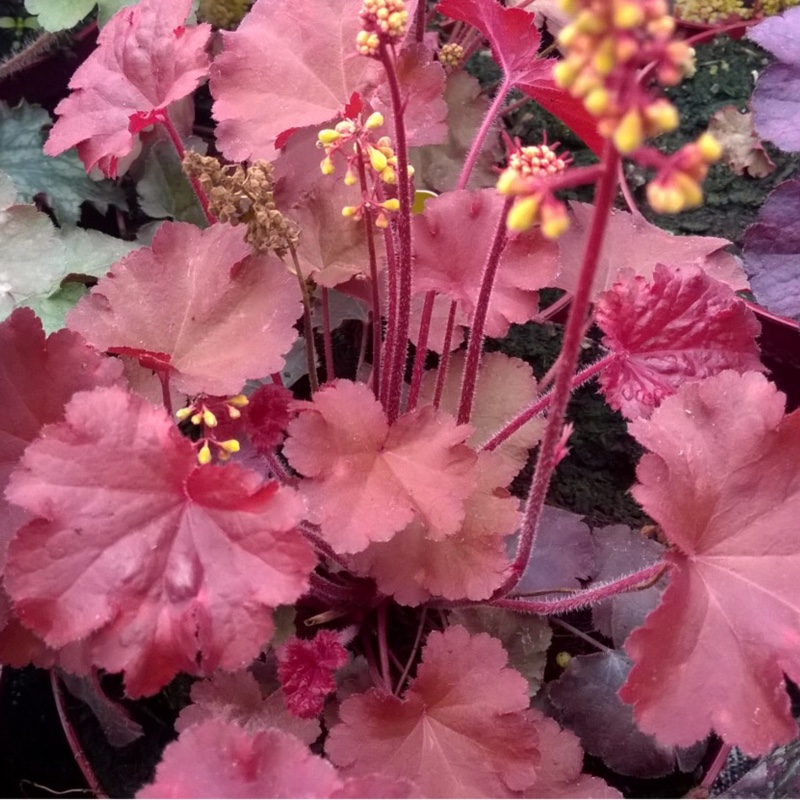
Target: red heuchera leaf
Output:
[
  {"x": 469, "y": 564},
  {"x": 722, "y": 482},
  {"x": 376, "y": 785},
  {"x": 238, "y": 698},
  {"x": 452, "y": 238},
  {"x": 585, "y": 699},
  {"x": 267, "y": 416},
  {"x": 366, "y": 480},
  {"x": 166, "y": 565},
  {"x": 635, "y": 245},
  {"x": 302, "y": 67},
  {"x": 219, "y": 759},
  {"x": 511, "y": 33},
  {"x": 459, "y": 729},
  {"x": 145, "y": 60},
  {"x": 305, "y": 670},
  {"x": 682, "y": 326},
  {"x": 200, "y": 299}
]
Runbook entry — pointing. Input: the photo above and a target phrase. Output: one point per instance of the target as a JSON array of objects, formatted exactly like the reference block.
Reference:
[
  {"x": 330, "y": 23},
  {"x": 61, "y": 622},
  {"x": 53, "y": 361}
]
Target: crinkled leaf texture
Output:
[
  {"x": 471, "y": 563},
  {"x": 459, "y": 729},
  {"x": 160, "y": 565},
  {"x": 366, "y": 479},
  {"x": 452, "y": 238},
  {"x": 196, "y": 305},
  {"x": 301, "y": 67},
  {"x": 772, "y": 251},
  {"x": 217, "y": 759},
  {"x": 586, "y": 701},
  {"x": 145, "y": 60},
  {"x": 679, "y": 327},
  {"x": 722, "y": 481},
  {"x": 633, "y": 244},
  {"x": 776, "y": 98}
]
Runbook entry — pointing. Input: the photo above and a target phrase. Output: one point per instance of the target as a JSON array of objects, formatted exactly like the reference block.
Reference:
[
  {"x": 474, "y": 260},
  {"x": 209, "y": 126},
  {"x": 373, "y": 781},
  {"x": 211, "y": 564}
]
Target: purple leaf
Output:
[
  {"x": 586, "y": 701},
  {"x": 772, "y": 251}
]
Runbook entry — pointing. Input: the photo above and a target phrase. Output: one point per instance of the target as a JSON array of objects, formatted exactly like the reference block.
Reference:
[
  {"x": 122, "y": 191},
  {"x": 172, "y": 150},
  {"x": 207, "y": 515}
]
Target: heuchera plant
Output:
[{"x": 339, "y": 560}]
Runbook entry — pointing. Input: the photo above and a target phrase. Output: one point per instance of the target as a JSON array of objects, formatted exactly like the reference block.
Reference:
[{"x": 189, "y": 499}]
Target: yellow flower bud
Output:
[
  {"x": 234, "y": 413},
  {"x": 349, "y": 211},
  {"x": 629, "y": 134},
  {"x": 326, "y": 165},
  {"x": 183, "y": 413},
  {"x": 554, "y": 220},
  {"x": 564, "y": 74},
  {"x": 589, "y": 22},
  {"x": 664, "y": 199},
  {"x": 209, "y": 418},
  {"x": 628, "y": 15},
  {"x": 375, "y": 120},
  {"x": 689, "y": 189},
  {"x": 230, "y": 445},
  {"x": 204, "y": 454},
  {"x": 377, "y": 159},
  {"x": 661, "y": 117},
  {"x": 196, "y": 418},
  {"x": 597, "y": 101},
  {"x": 328, "y": 136},
  {"x": 709, "y": 147},
  {"x": 381, "y": 220},
  {"x": 508, "y": 182},
  {"x": 523, "y": 213},
  {"x": 239, "y": 400},
  {"x": 392, "y": 204},
  {"x": 605, "y": 59},
  {"x": 389, "y": 176},
  {"x": 350, "y": 178}
]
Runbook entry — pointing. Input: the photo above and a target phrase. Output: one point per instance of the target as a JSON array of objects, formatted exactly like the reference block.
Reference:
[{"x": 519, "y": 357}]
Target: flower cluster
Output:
[
  {"x": 451, "y": 55},
  {"x": 239, "y": 194},
  {"x": 711, "y": 12},
  {"x": 351, "y": 139},
  {"x": 606, "y": 45},
  {"x": 200, "y": 412},
  {"x": 223, "y": 13},
  {"x": 383, "y": 20},
  {"x": 527, "y": 174}
]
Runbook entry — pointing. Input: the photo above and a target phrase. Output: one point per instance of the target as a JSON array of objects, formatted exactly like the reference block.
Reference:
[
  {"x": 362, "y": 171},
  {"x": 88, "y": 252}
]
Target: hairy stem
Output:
[
  {"x": 308, "y": 328},
  {"x": 326, "y": 336},
  {"x": 444, "y": 361},
  {"x": 421, "y": 351},
  {"x": 412, "y": 655}
]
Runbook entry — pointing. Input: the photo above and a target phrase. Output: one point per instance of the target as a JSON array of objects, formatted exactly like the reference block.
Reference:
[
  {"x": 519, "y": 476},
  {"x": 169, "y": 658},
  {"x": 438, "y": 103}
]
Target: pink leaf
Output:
[
  {"x": 301, "y": 67},
  {"x": 637, "y": 246},
  {"x": 198, "y": 305},
  {"x": 470, "y": 564},
  {"x": 682, "y": 326},
  {"x": 510, "y": 31},
  {"x": 305, "y": 670},
  {"x": 219, "y": 759},
  {"x": 166, "y": 565},
  {"x": 367, "y": 480},
  {"x": 722, "y": 482},
  {"x": 145, "y": 60},
  {"x": 452, "y": 238},
  {"x": 459, "y": 729},
  {"x": 238, "y": 698},
  {"x": 267, "y": 416}
]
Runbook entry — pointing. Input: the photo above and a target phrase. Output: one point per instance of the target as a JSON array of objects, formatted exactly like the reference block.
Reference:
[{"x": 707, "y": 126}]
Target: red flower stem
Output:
[
  {"x": 441, "y": 375},
  {"x": 383, "y": 646},
  {"x": 421, "y": 351},
  {"x": 369, "y": 655},
  {"x": 326, "y": 336},
  {"x": 510, "y": 428},
  {"x": 626, "y": 193},
  {"x": 277, "y": 378},
  {"x": 308, "y": 328},
  {"x": 181, "y": 151},
  {"x": 568, "y": 358},
  {"x": 583, "y": 598},
  {"x": 475, "y": 346},
  {"x": 404, "y": 274},
  {"x": 375, "y": 294},
  {"x": 717, "y": 765},
  {"x": 279, "y": 471},
  {"x": 332, "y": 593},
  {"x": 412, "y": 655},
  {"x": 420, "y": 20},
  {"x": 553, "y": 308},
  {"x": 72, "y": 738},
  {"x": 391, "y": 314},
  {"x": 483, "y": 132},
  {"x": 311, "y": 532}
]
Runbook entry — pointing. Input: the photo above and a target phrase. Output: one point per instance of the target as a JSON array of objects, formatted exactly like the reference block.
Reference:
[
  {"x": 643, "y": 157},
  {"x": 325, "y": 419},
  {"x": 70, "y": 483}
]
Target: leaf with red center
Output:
[
  {"x": 721, "y": 480},
  {"x": 459, "y": 730},
  {"x": 165, "y": 565},
  {"x": 366, "y": 480},
  {"x": 145, "y": 60},
  {"x": 305, "y": 670},
  {"x": 633, "y": 244},
  {"x": 198, "y": 304},
  {"x": 37, "y": 378},
  {"x": 452, "y": 238},
  {"x": 682, "y": 326},
  {"x": 302, "y": 67},
  {"x": 469, "y": 564},
  {"x": 220, "y": 759},
  {"x": 238, "y": 698},
  {"x": 510, "y": 31}
]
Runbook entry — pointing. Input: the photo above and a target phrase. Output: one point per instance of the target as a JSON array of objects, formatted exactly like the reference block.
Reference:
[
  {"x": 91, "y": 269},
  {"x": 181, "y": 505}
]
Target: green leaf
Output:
[
  {"x": 53, "y": 309},
  {"x": 62, "y": 180},
  {"x": 164, "y": 190},
  {"x": 107, "y": 9},
  {"x": 59, "y": 15},
  {"x": 37, "y": 256}
]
